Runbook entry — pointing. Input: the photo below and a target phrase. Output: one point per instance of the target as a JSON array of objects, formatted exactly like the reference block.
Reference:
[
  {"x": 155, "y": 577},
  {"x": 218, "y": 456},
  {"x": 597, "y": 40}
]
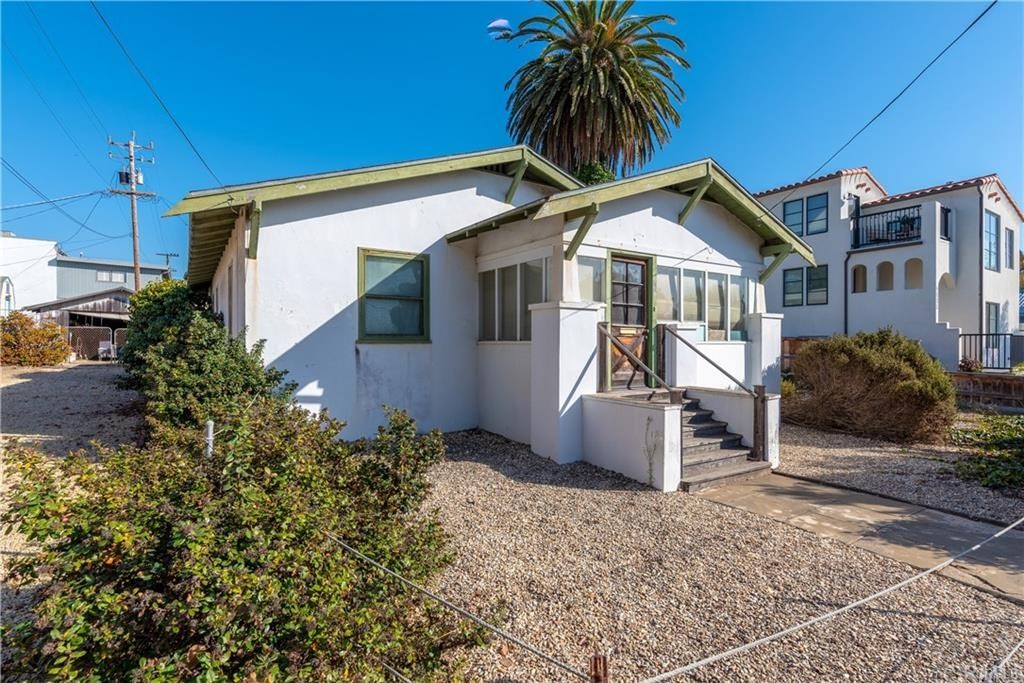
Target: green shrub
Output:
[
  {"x": 877, "y": 384},
  {"x": 157, "y": 307},
  {"x": 162, "y": 564},
  {"x": 997, "y": 442},
  {"x": 594, "y": 173},
  {"x": 23, "y": 342},
  {"x": 197, "y": 368}
]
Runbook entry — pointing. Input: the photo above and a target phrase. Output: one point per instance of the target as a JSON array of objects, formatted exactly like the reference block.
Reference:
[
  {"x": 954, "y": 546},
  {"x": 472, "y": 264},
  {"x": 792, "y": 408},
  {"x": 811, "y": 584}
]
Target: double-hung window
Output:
[
  {"x": 103, "y": 276},
  {"x": 793, "y": 287},
  {"x": 817, "y": 286},
  {"x": 817, "y": 214},
  {"x": 991, "y": 247},
  {"x": 394, "y": 301},
  {"x": 793, "y": 216}
]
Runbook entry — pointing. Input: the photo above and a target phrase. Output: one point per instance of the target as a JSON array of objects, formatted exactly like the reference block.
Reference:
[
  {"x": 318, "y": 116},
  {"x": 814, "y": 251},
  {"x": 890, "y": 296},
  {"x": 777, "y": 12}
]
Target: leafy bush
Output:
[
  {"x": 157, "y": 307},
  {"x": 970, "y": 365},
  {"x": 788, "y": 388},
  {"x": 23, "y": 342},
  {"x": 594, "y": 174},
  {"x": 1018, "y": 369},
  {"x": 196, "y": 368},
  {"x": 163, "y": 564},
  {"x": 998, "y": 460},
  {"x": 877, "y": 384}
]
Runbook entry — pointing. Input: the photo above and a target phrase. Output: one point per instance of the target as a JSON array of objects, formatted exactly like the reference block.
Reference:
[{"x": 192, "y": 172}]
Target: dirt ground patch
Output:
[
  {"x": 921, "y": 474},
  {"x": 580, "y": 557},
  {"x": 62, "y": 409}
]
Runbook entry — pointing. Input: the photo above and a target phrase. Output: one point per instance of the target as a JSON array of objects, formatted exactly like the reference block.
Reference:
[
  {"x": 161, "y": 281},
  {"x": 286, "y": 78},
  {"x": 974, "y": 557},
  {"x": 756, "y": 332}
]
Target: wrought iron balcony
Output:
[{"x": 897, "y": 225}]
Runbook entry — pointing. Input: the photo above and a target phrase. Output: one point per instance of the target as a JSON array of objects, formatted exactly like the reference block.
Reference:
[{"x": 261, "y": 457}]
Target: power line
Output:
[
  {"x": 155, "y": 93},
  {"x": 53, "y": 113},
  {"x": 51, "y": 201},
  {"x": 888, "y": 104},
  {"x": 67, "y": 70},
  {"x": 27, "y": 183}
]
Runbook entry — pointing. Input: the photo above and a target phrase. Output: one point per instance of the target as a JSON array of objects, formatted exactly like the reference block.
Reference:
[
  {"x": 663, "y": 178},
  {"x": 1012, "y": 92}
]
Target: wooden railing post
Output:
[
  {"x": 599, "y": 668},
  {"x": 760, "y": 422}
]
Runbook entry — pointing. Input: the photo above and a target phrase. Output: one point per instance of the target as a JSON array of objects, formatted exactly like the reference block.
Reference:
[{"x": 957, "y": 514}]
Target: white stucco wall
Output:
[
  {"x": 27, "y": 262},
  {"x": 504, "y": 388},
  {"x": 307, "y": 308},
  {"x": 229, "y": 297},
  {"x": 639, "y": 440}
]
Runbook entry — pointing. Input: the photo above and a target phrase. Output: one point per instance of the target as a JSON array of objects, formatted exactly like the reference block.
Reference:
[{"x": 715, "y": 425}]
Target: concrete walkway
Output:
[{"x": 912, "y": 534}]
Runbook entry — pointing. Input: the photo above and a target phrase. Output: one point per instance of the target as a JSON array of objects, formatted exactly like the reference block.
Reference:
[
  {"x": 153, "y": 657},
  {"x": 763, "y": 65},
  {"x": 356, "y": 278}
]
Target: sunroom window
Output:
[{"x": 506, "y": 295}]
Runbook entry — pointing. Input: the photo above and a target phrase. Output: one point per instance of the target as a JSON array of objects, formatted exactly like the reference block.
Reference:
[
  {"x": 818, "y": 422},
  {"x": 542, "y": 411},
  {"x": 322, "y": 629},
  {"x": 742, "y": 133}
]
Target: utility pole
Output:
[
  {"x": 168, "y": 256},
  {"x": 132, "y": 178}
]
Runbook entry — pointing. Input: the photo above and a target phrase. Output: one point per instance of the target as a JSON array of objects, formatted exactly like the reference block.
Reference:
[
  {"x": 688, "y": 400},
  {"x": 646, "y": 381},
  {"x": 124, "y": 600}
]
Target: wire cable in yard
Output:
[
  {"x": 997, "y": 673},
  {"x": 853, "y": 605},
  {"x": 450, "y": 605}
]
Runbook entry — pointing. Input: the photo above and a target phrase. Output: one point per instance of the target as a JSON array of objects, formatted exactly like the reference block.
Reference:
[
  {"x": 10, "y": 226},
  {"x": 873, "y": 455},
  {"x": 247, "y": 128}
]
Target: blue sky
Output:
[{"x": 270, "y": 90}]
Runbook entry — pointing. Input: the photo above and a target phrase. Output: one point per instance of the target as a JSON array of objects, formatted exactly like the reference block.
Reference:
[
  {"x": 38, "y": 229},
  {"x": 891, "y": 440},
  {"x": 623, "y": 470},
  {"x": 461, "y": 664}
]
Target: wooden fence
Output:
[{"x": 989, "y": 389}]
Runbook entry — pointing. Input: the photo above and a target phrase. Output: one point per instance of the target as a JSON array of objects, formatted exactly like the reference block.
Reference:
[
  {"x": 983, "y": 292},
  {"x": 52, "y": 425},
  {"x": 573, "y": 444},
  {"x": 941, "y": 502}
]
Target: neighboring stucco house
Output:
[
  {"x": 26, "y": 276},
  {"x": 938, "y": 264},
  {"x": 491, "y": 290}
]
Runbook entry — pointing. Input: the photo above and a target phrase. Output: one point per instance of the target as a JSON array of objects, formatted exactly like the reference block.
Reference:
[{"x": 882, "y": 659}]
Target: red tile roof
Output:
[
  {"x": 830, "y": 176},
  {"x": 951, "y": 186}
]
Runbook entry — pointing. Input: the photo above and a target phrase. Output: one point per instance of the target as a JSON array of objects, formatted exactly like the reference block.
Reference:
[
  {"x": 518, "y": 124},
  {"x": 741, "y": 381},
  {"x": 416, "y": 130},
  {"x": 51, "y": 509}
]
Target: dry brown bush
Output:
[
  {"x": 23, "y": 342},
  {"x": 877, "y": 384}
]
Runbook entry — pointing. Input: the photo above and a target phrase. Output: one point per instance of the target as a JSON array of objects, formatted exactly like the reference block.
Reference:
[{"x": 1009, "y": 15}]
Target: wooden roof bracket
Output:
[
  {"x": 781, "y": 251},
  {"x": 696, "y": 196},
  {"x": 255, "y": 214},
  {"x": 581, "y": 232},
  {"x": 516, "y": 179}
]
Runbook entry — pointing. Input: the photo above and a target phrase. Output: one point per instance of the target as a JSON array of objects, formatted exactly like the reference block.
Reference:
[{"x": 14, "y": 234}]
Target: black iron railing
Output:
[
  {"x": 993, "y": 350},
  {"x": 898, "y": 225}
]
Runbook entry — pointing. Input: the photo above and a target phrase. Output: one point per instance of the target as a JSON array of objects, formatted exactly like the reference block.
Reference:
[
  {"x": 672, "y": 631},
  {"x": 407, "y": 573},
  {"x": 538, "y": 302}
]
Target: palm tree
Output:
[{"x": 603, "y": 89}]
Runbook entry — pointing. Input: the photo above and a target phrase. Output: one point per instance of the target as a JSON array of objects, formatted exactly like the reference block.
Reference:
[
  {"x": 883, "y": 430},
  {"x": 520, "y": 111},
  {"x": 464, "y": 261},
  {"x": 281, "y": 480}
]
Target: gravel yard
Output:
[
  {"x": 919, "y": 474},
  {"x": 579, "y": 556}
]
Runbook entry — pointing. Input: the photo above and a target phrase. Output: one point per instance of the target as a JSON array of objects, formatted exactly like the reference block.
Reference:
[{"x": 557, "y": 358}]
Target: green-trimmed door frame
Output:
[{"x": 651, "y": 347}]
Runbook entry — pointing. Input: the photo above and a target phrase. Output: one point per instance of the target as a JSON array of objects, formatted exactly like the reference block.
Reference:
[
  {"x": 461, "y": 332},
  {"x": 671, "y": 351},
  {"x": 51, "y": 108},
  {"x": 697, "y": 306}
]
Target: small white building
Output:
[
  {"x": 26, "y": 274},
  {"x": 491, "y": 290},
  {"x": 940, "y": 264}
]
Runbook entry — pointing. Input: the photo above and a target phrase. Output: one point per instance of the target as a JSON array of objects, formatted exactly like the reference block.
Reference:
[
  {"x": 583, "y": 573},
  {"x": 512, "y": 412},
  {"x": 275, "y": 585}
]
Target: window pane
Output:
[
  {"x": 633, "y": 294},
  {"x": 991, "y": 241},
  {"x": 618, "y": 271},
  {"x": 716, "y": 306},
  {"x": 391, "y": 276},
  {"x": 117, "y": 277},
  {"x": 507, "y": 311},
  {"x": 392, "y": 317},
  {"x": 817, "y": 285},
  {"x": 1009, "y": 250},
  {"x": 635, "y": 273},
  {"x": 531, "y": 283},
  {"x": 738, "y": 308},
  {"x": 102, "y": 276},
  {"x": 666, "y": 294},
  {"x": 693, "y": 295},
  {"x": 817, "y": 213},
  {"x": 488, "y": 284},
  {"x": 793, "y": 287},
  {"x": 591, "y": 278},
  {"x": 793, "y": 216}
]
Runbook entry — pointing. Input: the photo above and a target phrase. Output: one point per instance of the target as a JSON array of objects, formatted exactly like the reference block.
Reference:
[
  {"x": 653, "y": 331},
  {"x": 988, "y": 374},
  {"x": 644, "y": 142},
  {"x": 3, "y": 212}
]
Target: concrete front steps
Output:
[{"x": 711, "y": 454}]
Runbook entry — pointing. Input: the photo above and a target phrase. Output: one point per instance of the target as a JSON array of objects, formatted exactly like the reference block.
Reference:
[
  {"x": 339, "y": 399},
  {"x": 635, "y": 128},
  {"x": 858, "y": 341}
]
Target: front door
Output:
[{"x": 629, "y": 318}]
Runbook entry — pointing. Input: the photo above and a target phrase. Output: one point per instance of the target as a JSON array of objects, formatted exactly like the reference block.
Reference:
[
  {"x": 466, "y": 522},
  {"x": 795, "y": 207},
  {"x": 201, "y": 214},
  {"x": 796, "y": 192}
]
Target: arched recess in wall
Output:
[
  {"x": 948, "y": 310},
  {"x": 7, "y": 302},
  {"x": 913, "y": 274},
  {"x": 884, "y": 276},
  {"x": 859, "y": 279}
]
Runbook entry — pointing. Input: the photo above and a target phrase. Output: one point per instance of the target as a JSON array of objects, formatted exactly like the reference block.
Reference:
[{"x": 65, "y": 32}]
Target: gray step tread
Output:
[
  {"x": 705, "y": 425},
  {"x": 705, "y": 457},
  {"x": 706, "y": 442},
  {"x": 724, "y": 475}
]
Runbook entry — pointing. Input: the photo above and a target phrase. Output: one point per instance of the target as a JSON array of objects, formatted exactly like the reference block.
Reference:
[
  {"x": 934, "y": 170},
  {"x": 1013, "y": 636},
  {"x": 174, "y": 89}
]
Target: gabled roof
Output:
[
  {"x": 718, "y": 187},
  {"x": 537, "y": 168},
  {"x": 213, "y": 211},
  {"x": 950, "y": 186},
  {"x": 828, "y": 176},
  {"x": 80, "y": 298}
]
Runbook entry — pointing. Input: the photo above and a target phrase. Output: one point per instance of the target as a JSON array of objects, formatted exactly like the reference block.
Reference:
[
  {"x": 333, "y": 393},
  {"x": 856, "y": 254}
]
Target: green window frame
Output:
[
  {"x": 817, "y": 286},
  {"x": 793, "y": 287},
  {"x": 793, "y": 216},
  {"x": 817, "y": 214},
  {"x": 422, "y": 298}
]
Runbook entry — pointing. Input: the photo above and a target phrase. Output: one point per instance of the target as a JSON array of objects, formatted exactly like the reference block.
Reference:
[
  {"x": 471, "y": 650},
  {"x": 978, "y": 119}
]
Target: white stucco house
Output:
[
  {"x": 26, "y": 276},
  {"x": 491, "y": 290},
  {"x": 939, "y": 264}
]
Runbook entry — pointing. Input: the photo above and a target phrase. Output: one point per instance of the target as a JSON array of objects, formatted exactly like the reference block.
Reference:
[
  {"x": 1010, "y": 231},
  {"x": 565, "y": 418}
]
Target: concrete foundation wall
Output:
[{"x": 639, "y": 440}]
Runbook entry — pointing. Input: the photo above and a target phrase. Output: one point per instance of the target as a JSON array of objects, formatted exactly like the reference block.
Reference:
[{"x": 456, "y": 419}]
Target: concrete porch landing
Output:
[{"x": 912, "y": 534}]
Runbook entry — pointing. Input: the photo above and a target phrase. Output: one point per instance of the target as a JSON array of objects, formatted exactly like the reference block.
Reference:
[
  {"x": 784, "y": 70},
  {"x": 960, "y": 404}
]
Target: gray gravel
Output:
[
  {"x": 920, "y": 474},
  {"x": 579, "y": 556}
]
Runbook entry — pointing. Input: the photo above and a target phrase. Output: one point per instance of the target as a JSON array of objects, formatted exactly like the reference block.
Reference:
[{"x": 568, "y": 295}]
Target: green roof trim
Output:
[
  {"x": 704, "y": 176},
  {"x": 537, "y": 169}
]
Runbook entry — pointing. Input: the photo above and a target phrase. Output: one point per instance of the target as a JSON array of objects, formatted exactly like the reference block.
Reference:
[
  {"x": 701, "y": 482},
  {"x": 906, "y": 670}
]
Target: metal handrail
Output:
[
  {"x": 629, "y": 354},
  {"x": 713, "y": 363}
]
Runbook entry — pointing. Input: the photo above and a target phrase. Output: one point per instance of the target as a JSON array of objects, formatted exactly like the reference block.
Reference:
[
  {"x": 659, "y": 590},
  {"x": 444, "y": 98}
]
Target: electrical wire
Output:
[
  {"x": 102, "y": 128},
  {"x": 27, "y": 183},
  {"x": 156, "y": 95},
  {"x": 51, "y": 201}
]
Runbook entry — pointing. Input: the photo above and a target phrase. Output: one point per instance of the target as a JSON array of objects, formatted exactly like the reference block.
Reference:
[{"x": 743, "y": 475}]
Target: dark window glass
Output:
[
  {"x": 991, "y": 250},
  {"x": 817, "y": 285},
  {"x": 817, "y": 214},
  {"x": 793, "y": 216},
  {"x": 793, "y": 287}
]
